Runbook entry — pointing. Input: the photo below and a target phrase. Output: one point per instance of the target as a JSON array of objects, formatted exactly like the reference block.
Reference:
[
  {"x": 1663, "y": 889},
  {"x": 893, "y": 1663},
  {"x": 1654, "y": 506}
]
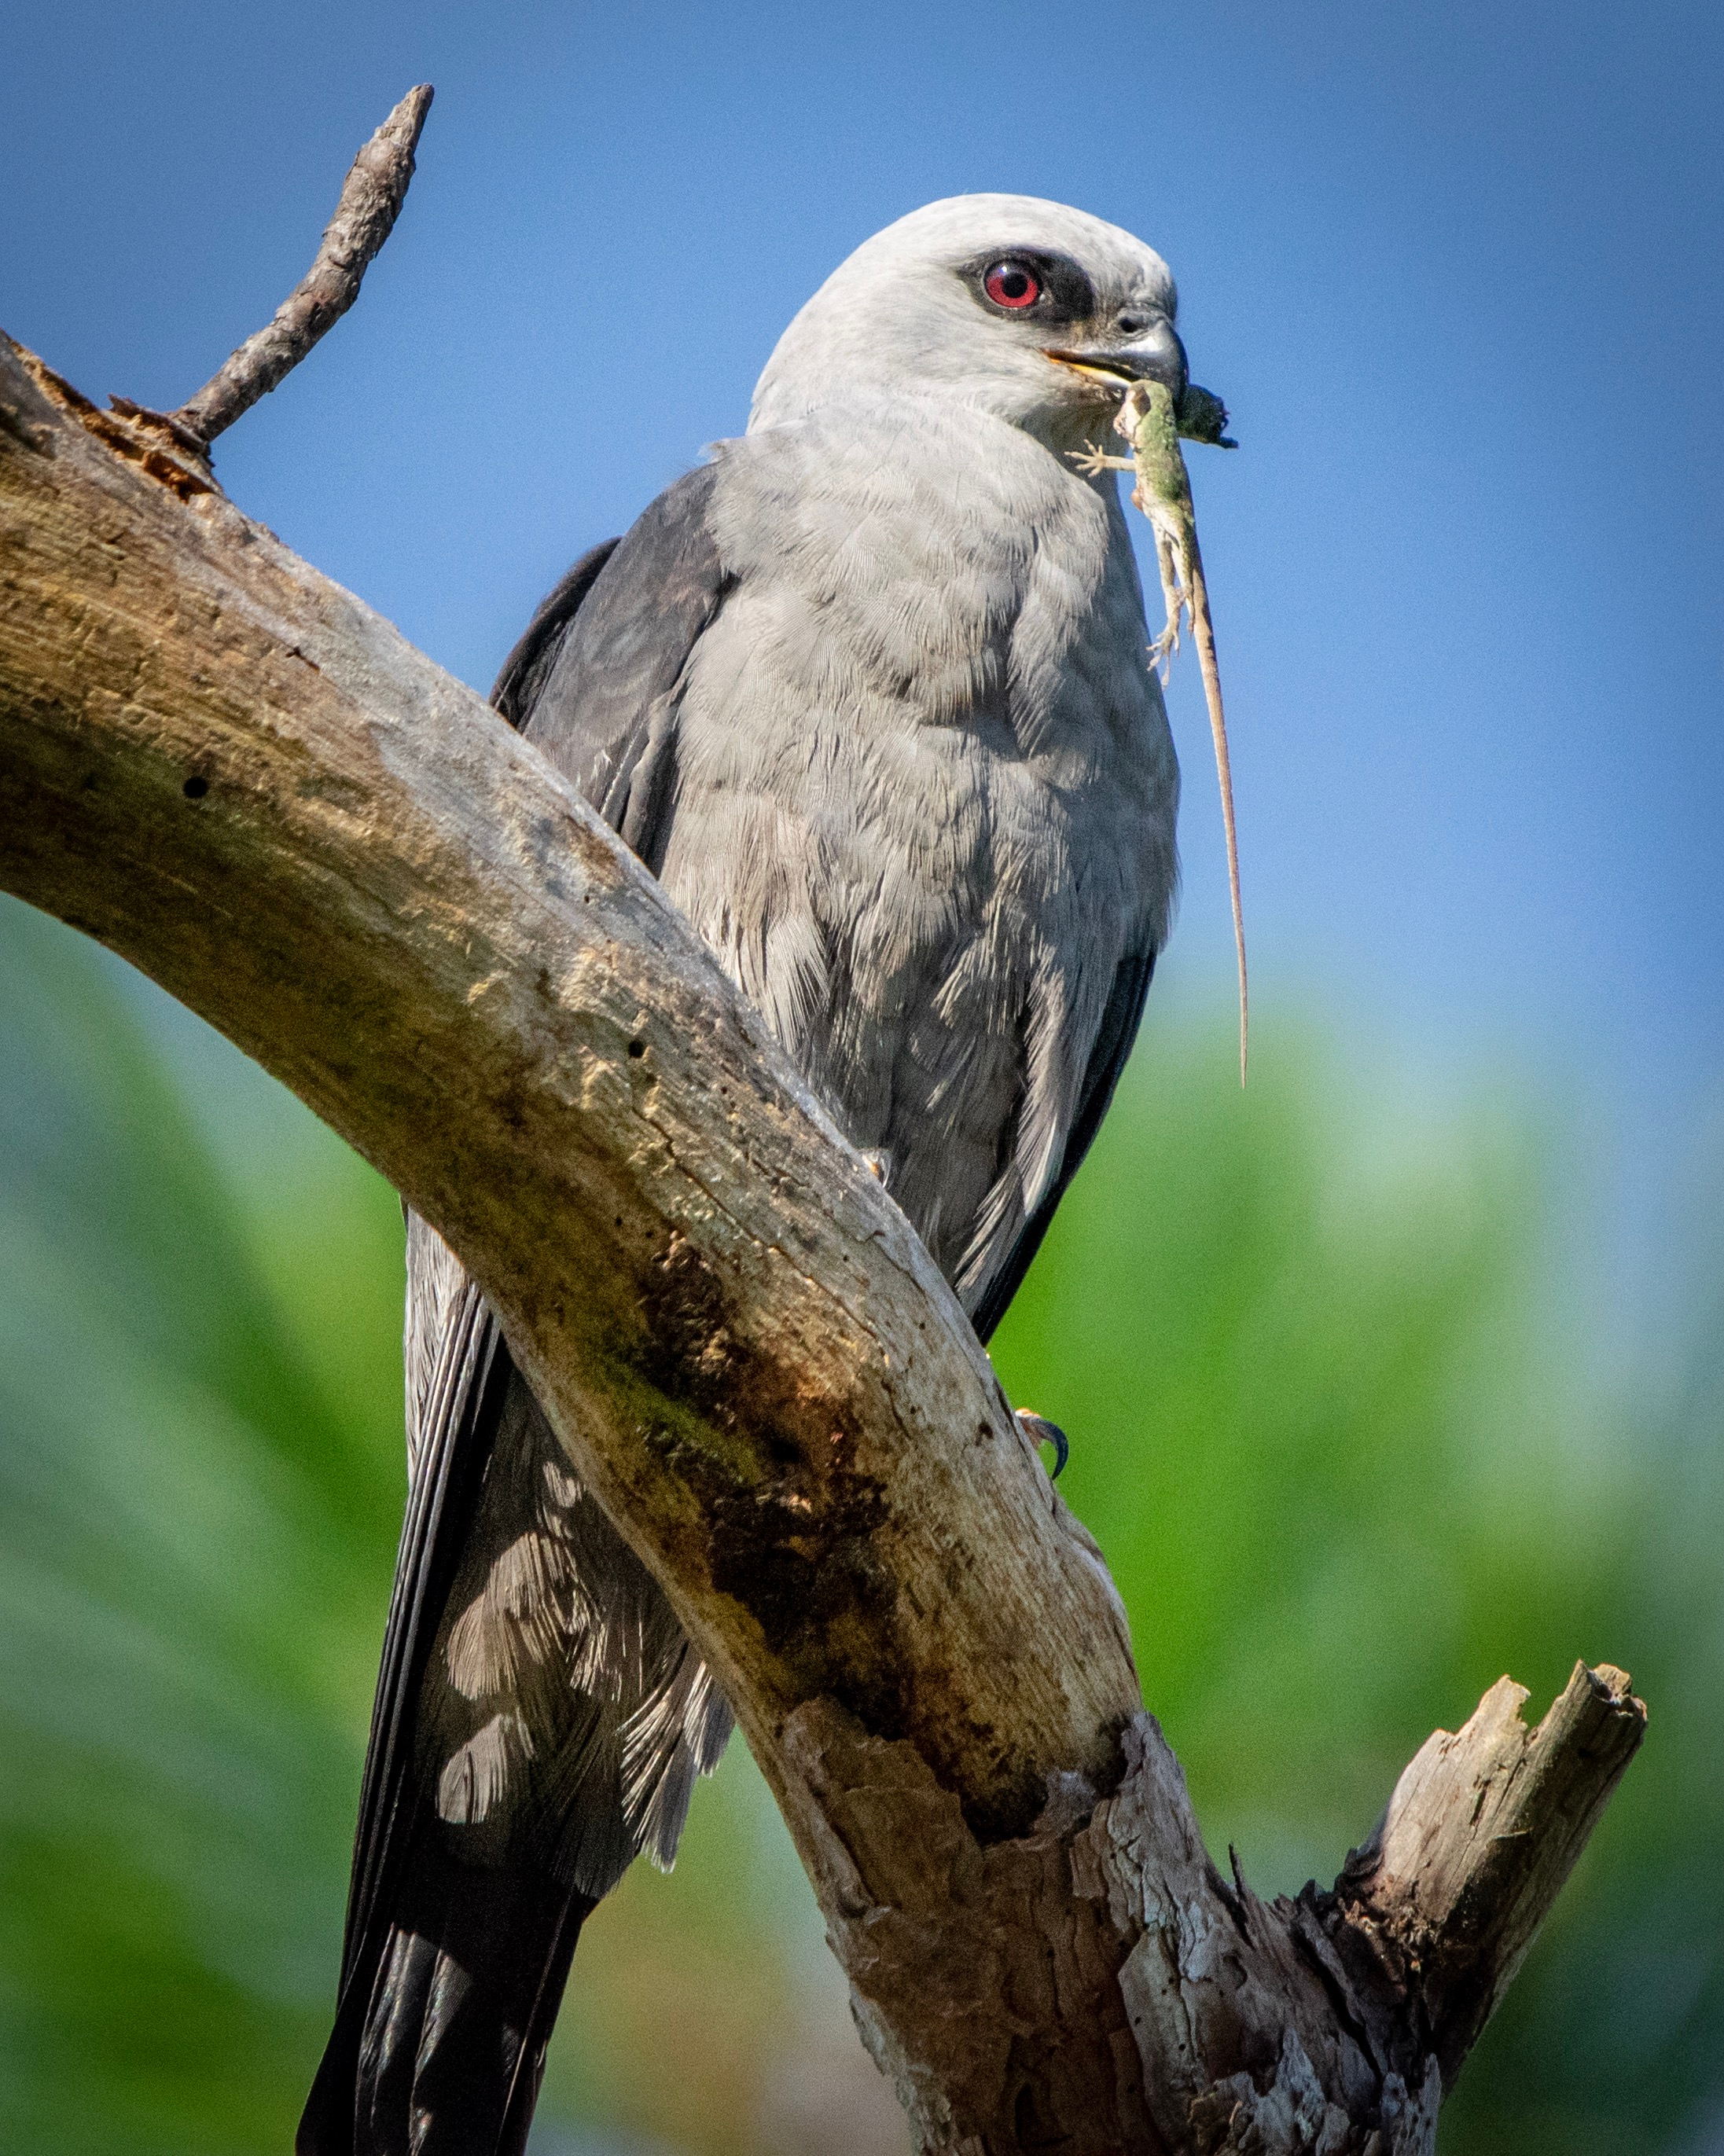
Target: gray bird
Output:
[{"x": 869, "y": 693}]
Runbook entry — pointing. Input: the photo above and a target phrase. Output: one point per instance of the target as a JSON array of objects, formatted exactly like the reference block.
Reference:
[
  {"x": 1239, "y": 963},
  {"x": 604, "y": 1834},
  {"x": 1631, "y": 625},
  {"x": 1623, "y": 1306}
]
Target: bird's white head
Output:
[{"x": 1038, "y": 314}]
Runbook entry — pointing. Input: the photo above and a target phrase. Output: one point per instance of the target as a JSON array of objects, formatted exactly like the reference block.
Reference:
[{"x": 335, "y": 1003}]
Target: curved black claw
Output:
[{"x": 1040, "y": 1431}]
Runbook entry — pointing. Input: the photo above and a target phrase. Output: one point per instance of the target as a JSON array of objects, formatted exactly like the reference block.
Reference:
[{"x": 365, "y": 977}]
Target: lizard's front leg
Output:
[{"x": 1091, "y": 461}]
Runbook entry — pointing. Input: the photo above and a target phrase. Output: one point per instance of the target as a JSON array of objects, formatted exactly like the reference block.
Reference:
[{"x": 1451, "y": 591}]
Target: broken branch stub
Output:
[
  {"x": 1482, "y": 1831},
  {"x": 236, "y": 775},
  {"x": 1192, "y": 2016}
]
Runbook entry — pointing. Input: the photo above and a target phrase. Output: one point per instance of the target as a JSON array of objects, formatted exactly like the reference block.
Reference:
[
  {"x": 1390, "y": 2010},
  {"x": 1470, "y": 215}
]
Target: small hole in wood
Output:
[
  {"x": 637, "y": 1049},
  {"x": 194, "y": 789}
]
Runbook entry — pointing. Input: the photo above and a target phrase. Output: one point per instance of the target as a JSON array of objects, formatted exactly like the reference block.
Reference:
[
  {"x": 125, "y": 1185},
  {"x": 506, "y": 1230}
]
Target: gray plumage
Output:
[
  {"x": 566, "y": 1715},
  {"x": 869, "y": 693}
]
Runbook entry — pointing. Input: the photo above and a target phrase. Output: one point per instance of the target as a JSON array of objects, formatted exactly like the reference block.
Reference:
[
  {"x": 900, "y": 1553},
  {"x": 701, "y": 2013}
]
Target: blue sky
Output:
[{"x": 1458, "y": 272}]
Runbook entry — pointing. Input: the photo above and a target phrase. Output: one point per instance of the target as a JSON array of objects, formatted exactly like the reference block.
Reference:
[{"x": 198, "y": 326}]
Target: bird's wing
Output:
[
  {"x": 523, "y": 673},
  {"x": 604, "y": 702},
  {"x": 1107, "y": 1060},
  {"x": 517, "y": 1609},
  {"x": 453, "y": 1398}
]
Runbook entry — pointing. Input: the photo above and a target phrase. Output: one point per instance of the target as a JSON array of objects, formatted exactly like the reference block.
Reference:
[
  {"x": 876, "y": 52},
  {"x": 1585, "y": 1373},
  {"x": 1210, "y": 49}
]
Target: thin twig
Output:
[{"x": 371, "y": 201}]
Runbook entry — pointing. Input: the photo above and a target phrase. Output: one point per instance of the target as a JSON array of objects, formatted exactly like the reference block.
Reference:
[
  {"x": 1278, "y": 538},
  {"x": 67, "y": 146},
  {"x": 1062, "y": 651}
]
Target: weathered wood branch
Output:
[
  {"x": 365, "y": 213},
  {"x": 1483, "y": 1828},
  {"x": 234, "y": 773}
]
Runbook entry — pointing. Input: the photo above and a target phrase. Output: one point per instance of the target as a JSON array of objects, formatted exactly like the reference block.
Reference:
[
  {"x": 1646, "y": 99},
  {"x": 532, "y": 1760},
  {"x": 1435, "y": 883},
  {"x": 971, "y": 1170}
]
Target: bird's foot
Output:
[
  {"x": 1040, "y": 1431},
  {"x": 878, "y": 1162}
]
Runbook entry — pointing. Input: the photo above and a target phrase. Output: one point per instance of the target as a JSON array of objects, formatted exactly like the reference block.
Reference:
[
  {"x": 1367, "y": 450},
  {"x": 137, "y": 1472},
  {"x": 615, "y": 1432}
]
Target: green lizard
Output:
[{"x": 1148, "y": 419}]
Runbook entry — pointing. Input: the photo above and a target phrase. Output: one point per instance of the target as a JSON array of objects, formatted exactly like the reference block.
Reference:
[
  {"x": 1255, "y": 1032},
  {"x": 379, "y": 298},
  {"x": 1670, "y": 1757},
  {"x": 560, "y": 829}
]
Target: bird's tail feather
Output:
[{"x": 440, "y": 2042}]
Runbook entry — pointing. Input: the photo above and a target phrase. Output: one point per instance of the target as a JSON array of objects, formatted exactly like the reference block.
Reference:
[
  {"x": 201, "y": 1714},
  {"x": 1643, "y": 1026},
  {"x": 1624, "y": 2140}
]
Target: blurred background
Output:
[{"x": 1396, "y": 1373}]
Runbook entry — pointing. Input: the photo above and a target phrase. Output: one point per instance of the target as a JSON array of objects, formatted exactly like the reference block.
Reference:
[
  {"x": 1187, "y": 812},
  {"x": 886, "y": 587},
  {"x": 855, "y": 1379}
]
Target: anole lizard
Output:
[{"x": 1148, "y": 421}]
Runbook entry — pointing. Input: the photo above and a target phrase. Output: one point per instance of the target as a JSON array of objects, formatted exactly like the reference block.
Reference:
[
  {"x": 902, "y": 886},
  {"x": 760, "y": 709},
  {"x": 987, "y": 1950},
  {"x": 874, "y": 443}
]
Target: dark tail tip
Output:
[{"x": 439, "y": 2045}]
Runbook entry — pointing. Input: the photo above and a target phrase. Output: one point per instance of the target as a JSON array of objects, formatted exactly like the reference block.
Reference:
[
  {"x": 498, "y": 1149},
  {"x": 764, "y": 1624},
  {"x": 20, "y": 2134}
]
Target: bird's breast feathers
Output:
[{"x": 925, "y": 792}]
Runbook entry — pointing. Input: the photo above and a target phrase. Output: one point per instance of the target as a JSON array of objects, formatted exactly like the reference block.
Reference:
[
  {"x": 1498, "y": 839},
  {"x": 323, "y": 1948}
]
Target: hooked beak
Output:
[{"x": 1156, "y": 355}]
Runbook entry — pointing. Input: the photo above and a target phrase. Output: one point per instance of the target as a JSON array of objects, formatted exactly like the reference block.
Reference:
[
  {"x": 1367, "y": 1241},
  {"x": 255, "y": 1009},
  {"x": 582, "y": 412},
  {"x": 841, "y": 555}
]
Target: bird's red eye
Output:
[{"x": 1010, "y": 284}]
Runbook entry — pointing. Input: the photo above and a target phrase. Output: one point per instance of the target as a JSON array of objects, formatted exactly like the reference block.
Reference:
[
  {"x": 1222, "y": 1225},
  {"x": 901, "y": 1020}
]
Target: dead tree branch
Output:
[
  {"x": 370, "y": 202},
  {"x": 234, "y": 773}
]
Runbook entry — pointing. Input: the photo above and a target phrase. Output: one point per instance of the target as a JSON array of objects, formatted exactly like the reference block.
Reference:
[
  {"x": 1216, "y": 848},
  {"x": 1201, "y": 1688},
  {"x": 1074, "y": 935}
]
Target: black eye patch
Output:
[{"x": 1065, "y": 295}]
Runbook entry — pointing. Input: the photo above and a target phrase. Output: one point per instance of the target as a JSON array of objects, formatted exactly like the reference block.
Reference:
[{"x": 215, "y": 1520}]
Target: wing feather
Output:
[
  {"x": 537, "y": 1701},
  {"x": 604, "y": 704},
  {"x": 1107, "y": 1058}
]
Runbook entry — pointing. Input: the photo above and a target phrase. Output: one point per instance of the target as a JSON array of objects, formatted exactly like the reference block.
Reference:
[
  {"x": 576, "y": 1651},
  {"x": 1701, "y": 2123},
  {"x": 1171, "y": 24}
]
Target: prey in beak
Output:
[
  {"x": 1153, "y": 414},
  {"x": 1155, "y": 356}
]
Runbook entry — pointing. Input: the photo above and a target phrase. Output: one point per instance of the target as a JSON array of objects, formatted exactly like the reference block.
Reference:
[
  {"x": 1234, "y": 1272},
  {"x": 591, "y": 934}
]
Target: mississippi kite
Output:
[{"x": 869, "y": 693}]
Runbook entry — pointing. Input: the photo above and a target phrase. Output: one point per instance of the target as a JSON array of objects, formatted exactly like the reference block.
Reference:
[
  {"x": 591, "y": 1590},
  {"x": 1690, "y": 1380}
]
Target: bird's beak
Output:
[{"x": 1156, "y": 355}]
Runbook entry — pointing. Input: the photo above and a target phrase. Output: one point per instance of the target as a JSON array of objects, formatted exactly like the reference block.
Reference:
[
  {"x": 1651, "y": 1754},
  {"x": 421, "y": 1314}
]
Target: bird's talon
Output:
[{"x": 1040, "y": 1431}]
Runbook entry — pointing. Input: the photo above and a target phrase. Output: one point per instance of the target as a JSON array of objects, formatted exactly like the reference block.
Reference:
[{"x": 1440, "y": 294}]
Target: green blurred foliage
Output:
[{"x": 1343, "y": 1451}]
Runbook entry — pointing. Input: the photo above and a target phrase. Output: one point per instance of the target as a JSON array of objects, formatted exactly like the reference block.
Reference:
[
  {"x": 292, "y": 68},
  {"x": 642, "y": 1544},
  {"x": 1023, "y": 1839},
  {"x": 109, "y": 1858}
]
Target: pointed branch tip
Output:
[{"x": 370, "y": 199}]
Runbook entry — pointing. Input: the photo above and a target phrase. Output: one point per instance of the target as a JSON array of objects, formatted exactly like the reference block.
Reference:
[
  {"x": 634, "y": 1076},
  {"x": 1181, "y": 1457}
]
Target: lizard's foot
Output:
[
  {"x": 1176, "y": 596},
  {"x": 1040, "y": 1431},
  {"x": 1090, "y": 461}
]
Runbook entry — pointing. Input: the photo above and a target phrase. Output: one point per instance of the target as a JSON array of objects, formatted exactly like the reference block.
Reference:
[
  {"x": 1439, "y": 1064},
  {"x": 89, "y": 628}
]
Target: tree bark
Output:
[{"x": 234, "y": 773}]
